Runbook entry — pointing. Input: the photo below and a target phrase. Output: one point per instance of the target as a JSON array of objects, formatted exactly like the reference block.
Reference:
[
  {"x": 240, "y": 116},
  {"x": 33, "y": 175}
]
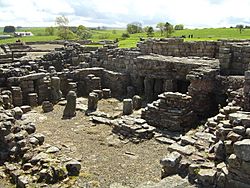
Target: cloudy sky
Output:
[{"x": 117, "y": 13}]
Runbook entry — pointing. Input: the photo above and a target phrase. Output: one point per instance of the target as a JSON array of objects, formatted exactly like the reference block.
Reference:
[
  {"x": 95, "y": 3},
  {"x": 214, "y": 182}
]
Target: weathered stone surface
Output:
[
  {"x": 26, "y": 108},
  {"x": 33, "y": 99},
  {"x": 56, "y": 93},
  {"x": 92, "y": 101},
  {"x": 170, "y": 164},
  {"x": 130, "y": 91},
  {"x": 184, "y": 150},
  {"x": 40, "y": 137},
  {"x": 242, "y": 149},
  {"x": 164, "y": 140},
  {"x": 207, "y": 176},
  {"x": 127, "y": 106},
  {"x": 219, "y": 150},
  {"x": 171, "y": 160},
  {"x": 47, "y": 106},
  {"x": 70, "y": 108},
  {"x": 187, "y": 140},
  {"x": 135, "y": 129},
  {"x": 17, "y": 112},
  {"x": 106, "y": 93},
  {"x": 137, "y": 102},
  {"x": 52, "y": 149},
  {"x": 173, "y": 111},
  {"x": 174, "y": 181},
  {"x": 73, "y": 168}
]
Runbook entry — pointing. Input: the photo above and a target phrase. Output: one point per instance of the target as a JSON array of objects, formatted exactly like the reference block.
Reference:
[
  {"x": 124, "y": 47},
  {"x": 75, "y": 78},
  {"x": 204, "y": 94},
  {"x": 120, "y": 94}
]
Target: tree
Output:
[
  {"x": 179, "y": 27},
  {"x": 9, "y": 29},
  {"x": 240, "y": 27},
  {"x": 150, "y": 31},
  {"x": 83, "y": 32},
  {"x": 135, "y": 27},
  {"x": 63, "y": 30},
  {"x": 169, "y": 29},
  {"x": 125, "y": 35},
  {"x": 50, "y": 31},
  {"x": 161, "y": 26}
]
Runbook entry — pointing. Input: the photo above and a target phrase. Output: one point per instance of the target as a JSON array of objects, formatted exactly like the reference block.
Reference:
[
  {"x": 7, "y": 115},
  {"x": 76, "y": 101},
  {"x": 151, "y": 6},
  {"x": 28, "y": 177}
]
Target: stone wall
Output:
[
  {"x": 233, "y": 54},
  {"x": 117, "y": 82},
  {"x": 203, "y": 90},
  {"x": 179, "y": 48},
  {"x": 234, "y": 57}
]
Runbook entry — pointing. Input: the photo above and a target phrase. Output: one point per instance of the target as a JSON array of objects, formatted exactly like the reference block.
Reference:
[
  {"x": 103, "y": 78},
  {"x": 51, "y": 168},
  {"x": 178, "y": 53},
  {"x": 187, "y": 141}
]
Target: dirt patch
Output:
[
  {"x": 45, "y": 46},
  {"x": 105, "y": 158}
]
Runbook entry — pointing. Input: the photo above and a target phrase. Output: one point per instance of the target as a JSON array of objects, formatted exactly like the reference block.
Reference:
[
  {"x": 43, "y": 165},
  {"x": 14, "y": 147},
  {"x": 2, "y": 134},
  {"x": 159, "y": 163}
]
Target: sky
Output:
[{"x": 118, "y": 13}]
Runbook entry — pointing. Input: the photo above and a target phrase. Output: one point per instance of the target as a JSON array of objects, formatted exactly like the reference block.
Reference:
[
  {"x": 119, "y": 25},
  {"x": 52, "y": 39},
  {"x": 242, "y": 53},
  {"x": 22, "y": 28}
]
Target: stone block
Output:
[
  {"x": 127, "y": 106},
  {"x": 242, "y": 149}
]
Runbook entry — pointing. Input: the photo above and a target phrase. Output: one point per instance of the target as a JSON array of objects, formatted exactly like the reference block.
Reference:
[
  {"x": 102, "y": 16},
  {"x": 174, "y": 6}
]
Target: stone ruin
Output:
[{"x": 200, "y": 90}]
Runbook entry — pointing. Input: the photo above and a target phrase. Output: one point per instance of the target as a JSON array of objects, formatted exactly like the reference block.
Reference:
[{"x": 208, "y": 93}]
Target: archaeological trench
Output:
[{"x": 191, "y": 97}]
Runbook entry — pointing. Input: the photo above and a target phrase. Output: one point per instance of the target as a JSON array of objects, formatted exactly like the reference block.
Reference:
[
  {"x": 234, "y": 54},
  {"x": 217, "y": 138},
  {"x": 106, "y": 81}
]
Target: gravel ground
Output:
[{"x": 105, "y": 159}]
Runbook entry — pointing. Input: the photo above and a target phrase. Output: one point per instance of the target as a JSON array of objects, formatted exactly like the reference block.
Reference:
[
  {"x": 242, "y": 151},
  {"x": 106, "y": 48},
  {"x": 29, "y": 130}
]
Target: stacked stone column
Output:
[
  {"x": 173, "y": 111},
  {"x": 70, "y": 108},
  {"x": 17, "y": 96},
  {"x": 55, "y": 89}
]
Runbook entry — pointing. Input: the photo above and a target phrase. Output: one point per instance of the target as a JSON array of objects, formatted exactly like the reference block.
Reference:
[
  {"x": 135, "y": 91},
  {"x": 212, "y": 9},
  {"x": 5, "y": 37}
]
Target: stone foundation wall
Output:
[
  {"x": 234, "y": 55},
  {"x": 179, "y": 48},
  {"x": 117, "y": 82}
]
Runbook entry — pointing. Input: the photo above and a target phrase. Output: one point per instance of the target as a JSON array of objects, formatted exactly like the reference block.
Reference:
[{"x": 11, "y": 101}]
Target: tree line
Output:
[
  {"x": 165, "y": 28},
  {"x": 64, "y": 31}
]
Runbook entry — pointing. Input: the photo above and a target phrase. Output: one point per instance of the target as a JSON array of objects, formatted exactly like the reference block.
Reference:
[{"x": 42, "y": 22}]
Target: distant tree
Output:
[
  {"x": 83, "y": 32},
  {"x": 114, "y": 32},
  {"x": 145, "y": 29},
  {"x": 179, "y": 27},
  {"x": 150, "y": 31},
  {"x": 9, "y": 29},
  {"x": 50, "y": 31},
  {"x": 125, "y": 35},
  {"x": 247, "y": 27},
  {"x": 135, "y": 27},
  {"x": 169, "y": 29},
  {"x": 73, "y": 29},
  {"x": 240, "y": 27},
  {"x": 63, "y": 29},
  {"x": 161, "y": 26}
]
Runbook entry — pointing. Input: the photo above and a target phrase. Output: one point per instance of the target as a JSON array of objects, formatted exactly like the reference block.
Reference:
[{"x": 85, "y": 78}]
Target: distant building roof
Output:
[
  {"x": 5, "y": 36},
  {"x": 22, "y": 34}
]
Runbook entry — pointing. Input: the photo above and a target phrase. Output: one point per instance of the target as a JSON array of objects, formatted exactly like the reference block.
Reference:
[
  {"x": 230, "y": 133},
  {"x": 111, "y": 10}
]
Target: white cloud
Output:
[{"x": 193, "y": 13}]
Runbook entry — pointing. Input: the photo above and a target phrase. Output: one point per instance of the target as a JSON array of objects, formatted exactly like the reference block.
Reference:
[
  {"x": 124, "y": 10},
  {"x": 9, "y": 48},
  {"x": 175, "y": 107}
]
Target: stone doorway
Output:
[
  {"x": 181, "y": 86},
  {"x": 152, "y": 88}
]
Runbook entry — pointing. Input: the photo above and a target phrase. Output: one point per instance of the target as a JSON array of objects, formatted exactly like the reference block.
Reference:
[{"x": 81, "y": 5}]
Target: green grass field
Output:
[{"x": 97, "y": 35}]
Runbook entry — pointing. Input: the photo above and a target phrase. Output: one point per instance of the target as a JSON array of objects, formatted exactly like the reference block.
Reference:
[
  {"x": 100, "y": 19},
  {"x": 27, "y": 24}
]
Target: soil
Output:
[
  {"x": 35, "y": 55},
  {"x": 105, "y": 159}
]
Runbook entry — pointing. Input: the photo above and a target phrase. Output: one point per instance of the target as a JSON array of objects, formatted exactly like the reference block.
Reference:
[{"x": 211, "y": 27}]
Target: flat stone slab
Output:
[
  {"x": 168, "y": 182},
  {"x": 184, "y": 150},
  {"x": 164, "y": 140}
]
